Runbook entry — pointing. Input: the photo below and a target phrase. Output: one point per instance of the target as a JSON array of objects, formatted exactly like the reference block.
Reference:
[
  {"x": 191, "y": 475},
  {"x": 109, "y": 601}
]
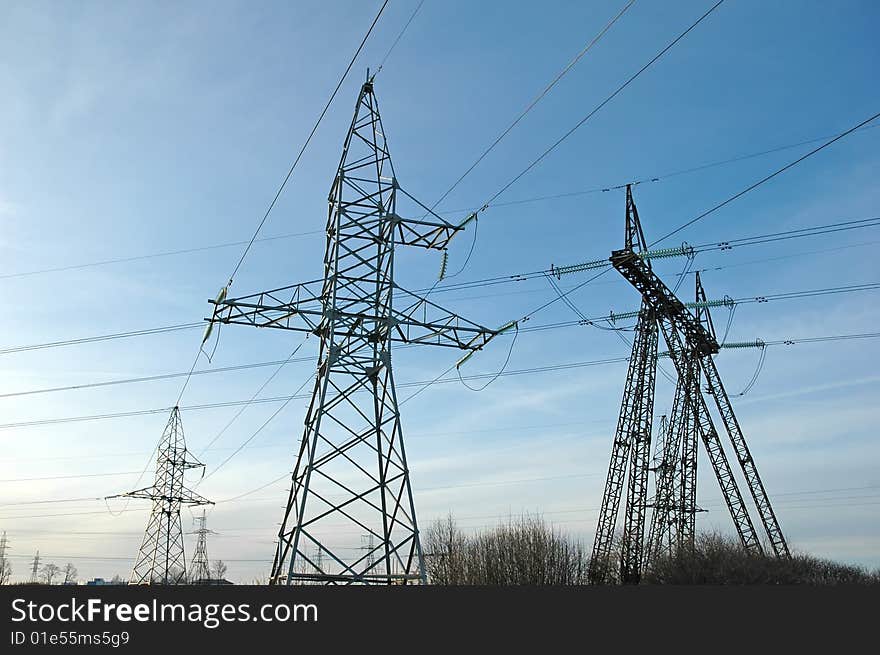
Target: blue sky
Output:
[{"x": 137, "y": 128}]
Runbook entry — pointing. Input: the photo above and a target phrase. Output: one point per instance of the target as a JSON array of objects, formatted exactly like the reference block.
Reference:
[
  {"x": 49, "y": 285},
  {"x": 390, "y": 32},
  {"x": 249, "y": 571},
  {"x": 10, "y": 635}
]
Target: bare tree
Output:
[
  {"x": 117, "y": 579},
  {"x": 219, "y": 569},
  {"x": 523, "y": 551},
  {"x": 70, "y": 574},
  {"x": 50, "y": 571}
]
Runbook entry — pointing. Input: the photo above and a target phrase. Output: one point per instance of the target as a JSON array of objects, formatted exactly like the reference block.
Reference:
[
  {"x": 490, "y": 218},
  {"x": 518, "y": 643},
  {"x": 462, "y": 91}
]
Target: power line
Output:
[
  {"x": 795, "y": 233},
  {"x": 661, "y": 177},
  {"x": 253, "y": 397},
  {"x": 424, "y": 384},
  {"x": 306, "y": 144},
  {"x": 69, "y": 477},
  {"x": 152, "y": 378},
  {"x": 535, "y": 101},
  {"x": 764, "y": 179},
  {"x": 399, "y": 36},
  {"x": 410, "y": 435},
  {"x": 280, "y": 363},
  {"x": 256, "y": 432},
  {"x": 709, "y": 502},
  {"x": 599, "y": 189},
  {"x": 155, "y": 255},
  {"x": 598, "y": 107},
  {"x": 103, "y": 337}
]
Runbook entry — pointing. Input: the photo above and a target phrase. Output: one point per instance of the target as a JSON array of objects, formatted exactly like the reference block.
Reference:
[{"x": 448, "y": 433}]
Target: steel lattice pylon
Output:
[
  {"x": 161, "y": 558},
  {"x": 632, "y": 445},
  {"x": 691, "y": 344},
  {"x": 199, "y": 569},
  {"x": 351, "y": 473}
]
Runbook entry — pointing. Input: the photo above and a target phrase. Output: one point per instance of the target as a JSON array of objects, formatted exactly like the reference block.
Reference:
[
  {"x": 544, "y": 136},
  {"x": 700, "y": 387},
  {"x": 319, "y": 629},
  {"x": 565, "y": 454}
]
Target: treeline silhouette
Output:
[{"x": 527, "y": 551}]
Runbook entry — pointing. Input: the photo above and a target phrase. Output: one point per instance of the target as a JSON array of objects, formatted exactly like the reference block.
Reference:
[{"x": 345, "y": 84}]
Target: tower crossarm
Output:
[
  {"x": 421, "y": 321},
  {"x": 430, "y": 232},
  {"x": 661, "y": 298},
  {"x": 185, "y": 497},
  {"x": 299, "y": 308}
]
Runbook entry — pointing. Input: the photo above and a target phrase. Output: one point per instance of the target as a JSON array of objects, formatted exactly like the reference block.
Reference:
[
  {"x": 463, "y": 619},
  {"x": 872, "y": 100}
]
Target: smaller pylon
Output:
[
  {"x": 200, "y": 569},
  {"x": 5, "y": 568},
  {"x": 161, "y": 559},
  {"x": 35, "y": 568}
]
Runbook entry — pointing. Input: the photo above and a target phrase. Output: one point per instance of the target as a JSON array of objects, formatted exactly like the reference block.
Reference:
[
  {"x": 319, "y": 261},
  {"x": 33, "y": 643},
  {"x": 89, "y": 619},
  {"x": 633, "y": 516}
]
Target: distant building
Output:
[{"x": 100, "y": 582}]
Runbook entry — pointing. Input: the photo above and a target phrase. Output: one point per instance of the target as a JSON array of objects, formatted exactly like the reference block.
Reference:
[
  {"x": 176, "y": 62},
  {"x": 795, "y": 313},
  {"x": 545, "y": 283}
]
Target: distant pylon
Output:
[
  {"x": 161, "y": 557},
  {"x": 4, "y": 571},
  {"x": 35, "y": 568},
  {"x": 351, "y": 470},
  {"x": 200, "y": 569}
]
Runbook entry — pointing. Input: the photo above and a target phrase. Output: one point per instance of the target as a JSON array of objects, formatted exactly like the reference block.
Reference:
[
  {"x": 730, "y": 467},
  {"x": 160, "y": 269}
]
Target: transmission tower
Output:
[
  {"x": 161, "y": 557},
  {"x": 351, "y": 471},
  {"x": 35, "y": 568},
  {"x": 691, "y": 343},
  {"x": 632, "y": 443},
  {"x": 5, "y": 566},
  {"x": 200, "y": 569}
]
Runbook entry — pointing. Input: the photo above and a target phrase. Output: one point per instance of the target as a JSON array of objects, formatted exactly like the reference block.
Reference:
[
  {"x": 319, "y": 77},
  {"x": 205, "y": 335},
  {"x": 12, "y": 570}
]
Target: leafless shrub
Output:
[
  {"x": 718, "y": 559},
  {"x": 523, "y": 551}
]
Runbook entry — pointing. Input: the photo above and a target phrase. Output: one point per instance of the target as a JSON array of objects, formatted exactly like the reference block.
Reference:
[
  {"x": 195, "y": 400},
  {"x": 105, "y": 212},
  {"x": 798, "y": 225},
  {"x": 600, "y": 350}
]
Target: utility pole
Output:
[
  {"x": 691, "y": 343},
  {"x": 161, "y": 557},
  {"x": 200, "y": 568},
  {"x": 351, "y": 470},
  {"x": 35, "y": 568}
]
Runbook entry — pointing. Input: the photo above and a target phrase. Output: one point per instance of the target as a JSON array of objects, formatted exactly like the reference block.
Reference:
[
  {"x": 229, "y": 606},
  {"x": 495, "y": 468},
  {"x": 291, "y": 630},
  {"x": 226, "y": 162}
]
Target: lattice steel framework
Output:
[
  {"x": 161, "y": 558},
  {"x": 632, "y": 444},
  {"x": 351, "y": 474},
  {"x": 200, "y": 568},
  {"x": 692, "y": 343},
  {"x": 675, "y": 499}
]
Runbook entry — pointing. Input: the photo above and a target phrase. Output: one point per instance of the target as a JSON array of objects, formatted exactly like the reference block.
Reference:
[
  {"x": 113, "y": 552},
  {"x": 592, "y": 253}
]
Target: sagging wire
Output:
[
  {"x": 751, "y": 383},
  {"x": 306, "y": 144},
  {"x": 564, "y": 298},
  {"x": 221, "y": 296},
  {"x": 473, "y": 245},
  {"x": 584, "y": 320},
  {"x": 444, "y": 262},
  {"x": 690, "y": 255},
  {"x": 505, "y": 328},
  {"x": 137, "y": 482},
  {"x": 731, "y": 311},
  {"x": 253, "y": 397},
  {"x": 589, "y": 46},
  {"x": 397, "y": 40},
  {"x": 254, "y": 435}
]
